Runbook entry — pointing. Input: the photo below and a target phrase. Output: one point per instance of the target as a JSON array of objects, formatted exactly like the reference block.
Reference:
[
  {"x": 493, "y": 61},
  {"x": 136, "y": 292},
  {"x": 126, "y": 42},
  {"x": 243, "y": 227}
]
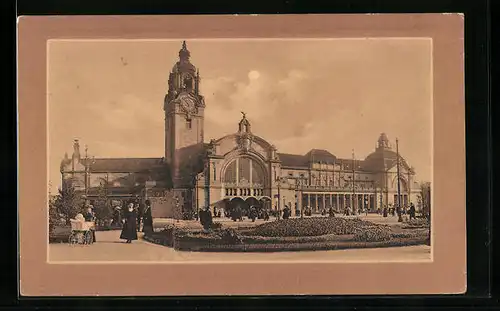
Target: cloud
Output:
[{"x": 266, "y": 99}]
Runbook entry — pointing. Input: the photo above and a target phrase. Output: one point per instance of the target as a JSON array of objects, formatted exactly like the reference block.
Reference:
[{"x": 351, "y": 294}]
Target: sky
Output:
[{"x": 334, "y": 94}]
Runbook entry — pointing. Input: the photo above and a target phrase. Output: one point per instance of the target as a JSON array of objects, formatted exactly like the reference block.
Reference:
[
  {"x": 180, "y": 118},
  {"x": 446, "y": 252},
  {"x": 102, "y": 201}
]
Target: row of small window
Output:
[{"x": 244, "y": 192}]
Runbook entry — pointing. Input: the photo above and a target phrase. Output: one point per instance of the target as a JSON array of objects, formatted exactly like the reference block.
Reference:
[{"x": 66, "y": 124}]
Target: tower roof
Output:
[
  {"x": 383, "y": 142},
  {"x": 184, "y": 64},
  {"x": 184, "y": 53}
]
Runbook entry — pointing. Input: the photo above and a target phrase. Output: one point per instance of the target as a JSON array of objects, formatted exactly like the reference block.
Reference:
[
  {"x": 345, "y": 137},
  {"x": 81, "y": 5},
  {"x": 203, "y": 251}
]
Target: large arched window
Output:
[
  {"x": 230, "y": 174},
  {"x": 257, "y": 173},
  {"x": 244, "y": 170},
  {"x": 244, "y": 167},
  {"x": 402, "y": 184}
]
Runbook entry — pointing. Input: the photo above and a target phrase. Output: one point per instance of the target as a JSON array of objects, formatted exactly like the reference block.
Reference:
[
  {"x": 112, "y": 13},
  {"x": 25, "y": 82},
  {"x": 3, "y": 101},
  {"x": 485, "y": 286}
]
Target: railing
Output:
[
  {"x": 320, "y": 188},
  {"x": 238, "y": 191}
]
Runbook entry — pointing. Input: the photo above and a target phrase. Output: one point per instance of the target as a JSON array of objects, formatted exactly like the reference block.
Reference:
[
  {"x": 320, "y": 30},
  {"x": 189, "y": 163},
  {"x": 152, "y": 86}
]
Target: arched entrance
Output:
[
  {"x": 234, "y": 203},
  {"x": 259, "y": 203}
]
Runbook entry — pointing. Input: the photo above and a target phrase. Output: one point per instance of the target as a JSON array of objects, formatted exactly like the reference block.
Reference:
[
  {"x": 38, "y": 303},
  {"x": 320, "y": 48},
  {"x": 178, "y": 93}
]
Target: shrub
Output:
[
  {"x": 417, "y": 223},
  {"x": 230, "y": 236},
  {"x": 410, "y": 234},
  {"x": 374, "y": 234},
  {"x": 310, "y": 227}
]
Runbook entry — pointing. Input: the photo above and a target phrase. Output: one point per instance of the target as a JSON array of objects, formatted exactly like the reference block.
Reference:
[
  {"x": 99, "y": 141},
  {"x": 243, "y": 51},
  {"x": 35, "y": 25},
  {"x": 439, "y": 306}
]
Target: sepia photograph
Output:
[
  {"x": 199, "y": 155},
  {"x": 227, "y": 150}
]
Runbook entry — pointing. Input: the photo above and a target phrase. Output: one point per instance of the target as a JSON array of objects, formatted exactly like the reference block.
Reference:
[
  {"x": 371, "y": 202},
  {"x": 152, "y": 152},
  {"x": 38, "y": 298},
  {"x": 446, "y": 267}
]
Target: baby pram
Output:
[{"x": 81, "y": 231}]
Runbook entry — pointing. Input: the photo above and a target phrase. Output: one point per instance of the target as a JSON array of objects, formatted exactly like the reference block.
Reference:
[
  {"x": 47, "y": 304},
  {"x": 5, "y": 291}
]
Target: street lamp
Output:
[
  {"x": 298, "y": 195},
  {"x": 400, "y": 218},
  {"x": 353, "y": 199},
  {"x": 278, "y": 180},
  {"x": 197, "y": 178},
  {"x": 177, "y": 207}
]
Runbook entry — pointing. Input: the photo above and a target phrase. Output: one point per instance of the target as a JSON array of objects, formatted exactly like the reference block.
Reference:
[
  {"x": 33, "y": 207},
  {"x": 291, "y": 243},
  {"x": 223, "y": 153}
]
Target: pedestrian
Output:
[
  {"x": 253, "y": 213},
  {"x": 331, "y": 212},
  {"x": 129, "y": 231},
  {"x": 385, "y": 211},
  {"x": 206, "y": 218},
  {"x": 147, "y": 218},
  {"x": 89, "y": 217},
  {"x": 265, "y": 215},
  {"x": 286, "y": 212},
  {"x": 139, "y": 210},
  {"x": 412, "y": 211}
]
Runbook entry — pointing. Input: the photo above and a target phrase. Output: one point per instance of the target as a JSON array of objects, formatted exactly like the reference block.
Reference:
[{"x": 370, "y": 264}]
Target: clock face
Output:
[{"x": 188, "y": 104}]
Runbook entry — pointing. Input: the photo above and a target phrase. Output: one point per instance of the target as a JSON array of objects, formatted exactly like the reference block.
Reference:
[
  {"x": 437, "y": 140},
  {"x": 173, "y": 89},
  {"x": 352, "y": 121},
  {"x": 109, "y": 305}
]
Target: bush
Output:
[
  {"x": 416, "y": 223},
  {"x": 375, "y": 234},
  {"x": 310, "y": 227},
  {"x": 410, "y": 234},
  {"x": 230, "y": 236}
]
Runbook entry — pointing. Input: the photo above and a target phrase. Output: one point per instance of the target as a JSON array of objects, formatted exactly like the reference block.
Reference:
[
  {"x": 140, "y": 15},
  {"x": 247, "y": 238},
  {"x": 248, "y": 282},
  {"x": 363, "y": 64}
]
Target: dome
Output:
[
  {"x": 320, "y": 155},
  {"x": 380, "y": 160},
  {"x": 184, "y": 65},
  {"x": 383, "y": 159}
]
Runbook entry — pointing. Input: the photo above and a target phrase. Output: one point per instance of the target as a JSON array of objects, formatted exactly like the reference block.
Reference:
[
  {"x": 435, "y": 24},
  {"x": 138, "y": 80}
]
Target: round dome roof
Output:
[
  {"x": 381, "y": 159},
  {"x": 184, "y": 67}
]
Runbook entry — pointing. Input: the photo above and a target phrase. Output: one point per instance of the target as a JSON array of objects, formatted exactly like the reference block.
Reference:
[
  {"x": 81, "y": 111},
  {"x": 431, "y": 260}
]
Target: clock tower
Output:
[{"x": 184, "y": 113}]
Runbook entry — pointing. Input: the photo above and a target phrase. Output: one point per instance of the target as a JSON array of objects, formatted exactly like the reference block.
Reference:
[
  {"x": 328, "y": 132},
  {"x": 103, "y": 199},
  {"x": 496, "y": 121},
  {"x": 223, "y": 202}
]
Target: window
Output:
[{"x": 188, "y": 124}]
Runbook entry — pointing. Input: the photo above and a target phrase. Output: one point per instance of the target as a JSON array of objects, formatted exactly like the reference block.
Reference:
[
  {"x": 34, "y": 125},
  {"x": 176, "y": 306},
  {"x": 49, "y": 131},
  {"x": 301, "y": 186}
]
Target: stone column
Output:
[
  {"x": 316, "y": 201},
  {"x": 324, "y": 199}
]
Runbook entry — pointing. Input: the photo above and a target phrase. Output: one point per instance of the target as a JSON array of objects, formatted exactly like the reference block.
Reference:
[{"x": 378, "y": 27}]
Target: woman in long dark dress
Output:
[
  {"x": 147, "y": 218},
  {"x": 129, "y": 231}
]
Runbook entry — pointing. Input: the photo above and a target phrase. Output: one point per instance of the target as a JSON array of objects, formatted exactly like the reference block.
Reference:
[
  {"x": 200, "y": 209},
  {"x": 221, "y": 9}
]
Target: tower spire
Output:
[{"x": 184, "y": 53}]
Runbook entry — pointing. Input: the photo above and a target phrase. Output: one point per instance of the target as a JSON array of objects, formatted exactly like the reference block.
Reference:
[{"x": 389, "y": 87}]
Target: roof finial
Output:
[
  {"x": 184, "y": 53},
  {"x": 244, "y": 114}
]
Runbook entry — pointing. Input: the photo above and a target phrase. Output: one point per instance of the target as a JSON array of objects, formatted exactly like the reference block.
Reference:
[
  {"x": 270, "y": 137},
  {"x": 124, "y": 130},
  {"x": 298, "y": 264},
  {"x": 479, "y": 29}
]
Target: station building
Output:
[{"x": 241, "y": 168}]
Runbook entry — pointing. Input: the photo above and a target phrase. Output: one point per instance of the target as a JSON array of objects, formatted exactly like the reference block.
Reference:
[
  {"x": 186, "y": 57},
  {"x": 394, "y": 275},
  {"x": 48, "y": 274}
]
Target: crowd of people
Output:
[
  {"x": 138, "y": 217},
  {"x": 253, "y": 212},
  {"x": 134, "y": 218}
]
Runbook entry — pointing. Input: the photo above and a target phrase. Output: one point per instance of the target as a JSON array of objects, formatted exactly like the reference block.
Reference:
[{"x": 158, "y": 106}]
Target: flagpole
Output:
[{"x": 353, "y": 185}]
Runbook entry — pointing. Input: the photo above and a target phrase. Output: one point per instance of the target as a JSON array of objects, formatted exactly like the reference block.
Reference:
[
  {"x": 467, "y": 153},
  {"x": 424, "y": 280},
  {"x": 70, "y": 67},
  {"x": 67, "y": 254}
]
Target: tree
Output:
[
  {"x": 425, "y": 187},
  {"x": 54, "y": 217},
  {"x": 68, "y": 202},
  {"x": 103, "y": 209}
]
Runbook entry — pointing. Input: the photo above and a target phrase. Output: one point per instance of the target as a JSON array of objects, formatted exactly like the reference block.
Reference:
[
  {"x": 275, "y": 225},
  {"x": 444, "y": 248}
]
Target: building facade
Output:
[{"x": 241, "y": 168}]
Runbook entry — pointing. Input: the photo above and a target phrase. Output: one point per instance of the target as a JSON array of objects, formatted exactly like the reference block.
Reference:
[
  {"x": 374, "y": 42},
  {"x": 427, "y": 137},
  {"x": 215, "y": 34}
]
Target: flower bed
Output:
[
  {"x": 283, "y": 247},
  {"x": 350, "y": 233},
  {"x": 315, "y": 226}
]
